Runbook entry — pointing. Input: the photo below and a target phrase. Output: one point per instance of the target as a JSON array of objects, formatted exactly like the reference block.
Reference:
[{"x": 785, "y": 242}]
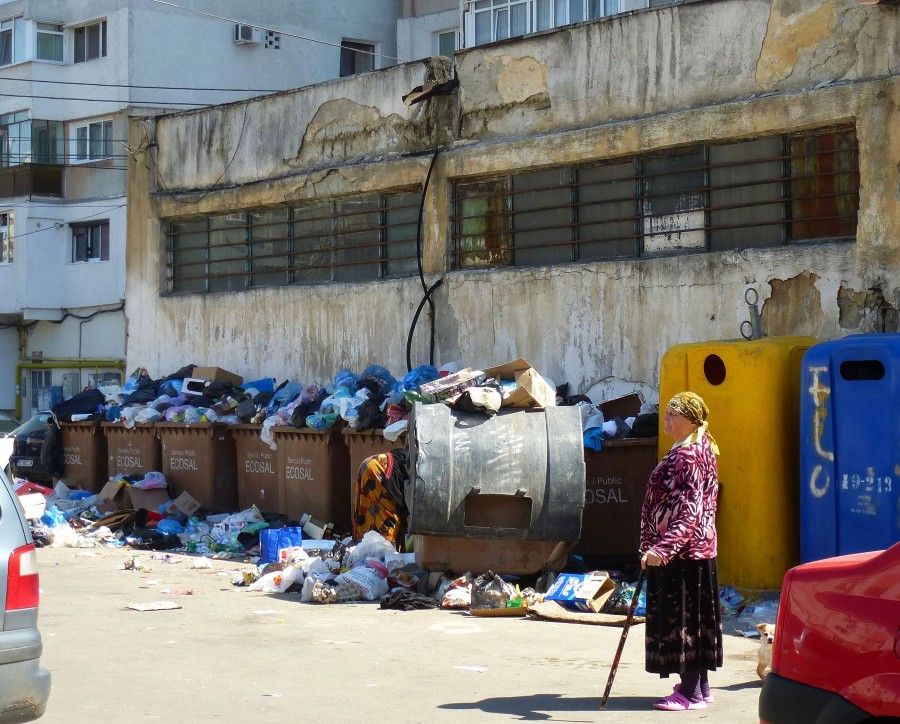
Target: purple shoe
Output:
[
  {"x": 677, "y": 702},
  {"x": 706, "y": 699}
]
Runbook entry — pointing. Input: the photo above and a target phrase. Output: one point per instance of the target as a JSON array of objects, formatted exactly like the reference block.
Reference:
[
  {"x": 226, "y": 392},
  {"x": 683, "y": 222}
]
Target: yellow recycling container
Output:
[{"x": 752, "y": 389}]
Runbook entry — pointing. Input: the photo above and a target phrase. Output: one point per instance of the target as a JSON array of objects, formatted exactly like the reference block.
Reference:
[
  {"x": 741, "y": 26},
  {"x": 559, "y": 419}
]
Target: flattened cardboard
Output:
[
  {"x": 582, "y": 591},
  {"x": 531, "y": 391},
  {"x": 187, "y": 504},
  {"x": 34, "y": 505},
  {"x": 217, "y": 374}
]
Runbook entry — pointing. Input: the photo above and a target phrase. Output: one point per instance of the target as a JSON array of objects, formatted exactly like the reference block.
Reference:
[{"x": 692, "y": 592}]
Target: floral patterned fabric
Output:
[{"x": 678, "y": 518}]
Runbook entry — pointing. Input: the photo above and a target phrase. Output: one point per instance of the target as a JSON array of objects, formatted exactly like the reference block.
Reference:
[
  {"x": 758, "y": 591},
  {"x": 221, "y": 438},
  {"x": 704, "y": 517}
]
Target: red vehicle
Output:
[{"x": 836, "y": 656}]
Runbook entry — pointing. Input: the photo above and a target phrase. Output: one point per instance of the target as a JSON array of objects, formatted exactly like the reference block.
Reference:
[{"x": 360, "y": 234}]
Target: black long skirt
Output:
[{"x": 684, "y": 620}]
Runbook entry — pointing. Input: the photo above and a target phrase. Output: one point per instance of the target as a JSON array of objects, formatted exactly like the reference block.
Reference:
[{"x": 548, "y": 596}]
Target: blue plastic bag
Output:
[{"x": 271, "y": 540}]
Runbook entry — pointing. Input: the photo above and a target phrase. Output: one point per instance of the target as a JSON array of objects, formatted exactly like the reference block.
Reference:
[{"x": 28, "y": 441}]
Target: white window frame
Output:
[
  {"x": 7, "y": 237},
  {"x": 559, "y": 12},
  {"x": 102, "y": 29},
  {"x": 81, "y": 145},
  {"x": 436, "y": 42},
  {"x": 15, "y": 27},
  {"x": 94, "y": 246},
  {"x": 43, "y": 27},
  {"x": 348, "y": 43}
]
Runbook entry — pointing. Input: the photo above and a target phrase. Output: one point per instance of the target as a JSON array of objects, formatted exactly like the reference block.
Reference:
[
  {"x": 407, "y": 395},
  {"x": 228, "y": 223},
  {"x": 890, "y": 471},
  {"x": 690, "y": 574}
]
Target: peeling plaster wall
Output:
[
  {"x": 317, "y": 126},
  {"x": 541, "y": 101}
]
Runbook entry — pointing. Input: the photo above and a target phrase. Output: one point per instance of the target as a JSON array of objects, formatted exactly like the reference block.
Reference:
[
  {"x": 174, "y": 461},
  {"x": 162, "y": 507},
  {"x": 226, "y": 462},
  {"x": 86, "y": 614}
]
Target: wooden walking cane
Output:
[{"x": 615, "y": 664}]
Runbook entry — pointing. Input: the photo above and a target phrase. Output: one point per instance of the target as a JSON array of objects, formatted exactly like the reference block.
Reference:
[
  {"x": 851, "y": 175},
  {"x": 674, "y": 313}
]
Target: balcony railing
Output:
[{"x": 31, "y": 179}]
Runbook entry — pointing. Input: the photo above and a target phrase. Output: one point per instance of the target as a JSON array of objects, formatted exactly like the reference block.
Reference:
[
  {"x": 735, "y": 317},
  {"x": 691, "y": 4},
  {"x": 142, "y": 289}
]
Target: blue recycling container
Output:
[{"x": 850, "y": 446}]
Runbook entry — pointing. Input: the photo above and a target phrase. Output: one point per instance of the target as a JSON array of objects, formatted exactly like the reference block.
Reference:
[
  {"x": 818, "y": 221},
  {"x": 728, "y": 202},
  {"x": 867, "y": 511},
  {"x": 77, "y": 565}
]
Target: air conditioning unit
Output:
[{"x": 246, "y": 34}]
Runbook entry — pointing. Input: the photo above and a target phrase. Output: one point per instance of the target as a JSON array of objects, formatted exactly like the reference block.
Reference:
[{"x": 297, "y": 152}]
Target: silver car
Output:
[{"x": 24, "y": 685}]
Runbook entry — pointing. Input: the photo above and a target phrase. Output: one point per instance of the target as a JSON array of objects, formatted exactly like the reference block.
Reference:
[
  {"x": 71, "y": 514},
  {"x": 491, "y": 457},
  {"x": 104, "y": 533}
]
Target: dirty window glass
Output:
[
  {"x": 270, "y": 245},
  {"x": 824, "y": 185},
  {"x": 674, "y": 202},
  {"x": 482, "y": 235},
  {"x": 228, "y": 252},
  {"x": 746, "y": 195}
]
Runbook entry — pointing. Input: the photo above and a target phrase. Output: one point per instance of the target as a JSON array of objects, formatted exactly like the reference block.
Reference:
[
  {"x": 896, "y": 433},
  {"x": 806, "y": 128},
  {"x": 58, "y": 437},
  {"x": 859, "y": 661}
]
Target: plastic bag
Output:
[
  {"x": 369, "y": 580},
  {"x": 278, "y": 581},
  {"x": 395, "y": 430},
  {"x": 372, "y": 545},
  {"x": 491, "y": 591},
  {"x": 272, "y": 540},
  {"x": 151, "y": 481}
]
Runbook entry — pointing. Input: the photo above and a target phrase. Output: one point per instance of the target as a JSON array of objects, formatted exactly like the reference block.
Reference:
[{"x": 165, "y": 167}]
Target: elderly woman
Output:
[{"x": 678, "y": 551}]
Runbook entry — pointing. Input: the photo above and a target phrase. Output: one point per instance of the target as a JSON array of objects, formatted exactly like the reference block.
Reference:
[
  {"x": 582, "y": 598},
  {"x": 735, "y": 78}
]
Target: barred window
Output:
[
  {"x": 756, "y": 193},
  {"x": 357, "y": 238}
]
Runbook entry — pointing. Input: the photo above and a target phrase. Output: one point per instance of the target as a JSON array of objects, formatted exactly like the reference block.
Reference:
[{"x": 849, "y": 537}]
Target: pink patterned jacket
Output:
[{"x": 678, "y": 519}]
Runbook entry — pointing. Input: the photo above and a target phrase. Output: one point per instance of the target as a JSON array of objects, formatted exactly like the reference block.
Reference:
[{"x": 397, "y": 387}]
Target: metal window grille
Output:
[
  {"x": 358, "y": 238},
  {"x": 754, "y": 193}
]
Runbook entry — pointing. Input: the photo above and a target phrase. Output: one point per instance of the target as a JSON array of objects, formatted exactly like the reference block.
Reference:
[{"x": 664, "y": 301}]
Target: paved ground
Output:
[{"x": 230, "y": 655}]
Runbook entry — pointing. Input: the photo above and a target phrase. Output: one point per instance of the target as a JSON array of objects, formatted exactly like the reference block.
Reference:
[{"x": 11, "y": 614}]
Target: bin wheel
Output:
[{"x": 545, "y": 580}]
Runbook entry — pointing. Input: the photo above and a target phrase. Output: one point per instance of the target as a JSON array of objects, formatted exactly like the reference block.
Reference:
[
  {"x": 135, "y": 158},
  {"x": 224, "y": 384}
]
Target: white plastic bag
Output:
[
  {"x": 395, "y": 430},
  {"x": 373, "y": 545},
  {"x": 278, "y": 581}
]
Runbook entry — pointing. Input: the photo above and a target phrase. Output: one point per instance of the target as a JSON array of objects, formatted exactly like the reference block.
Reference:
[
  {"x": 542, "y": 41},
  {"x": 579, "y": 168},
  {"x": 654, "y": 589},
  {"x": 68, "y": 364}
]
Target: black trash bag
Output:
[
  {"x": 263, "y": 398},
  {"x": 89, "y": 402},
  {"x": 152, "y": 540},
  {"x": 305, "y": 409},
  {"x": 141, "y": 397},
  {"x": 646, "y": 425},
  {"x": 490, "y": 591},
  {"x": 246, "y": 410},
  {"x": 183, "y": 373},
  {"x": 371, "y": 416},
  {"x": 403, "y": 599},
  {"x": 52, "y": 450}
]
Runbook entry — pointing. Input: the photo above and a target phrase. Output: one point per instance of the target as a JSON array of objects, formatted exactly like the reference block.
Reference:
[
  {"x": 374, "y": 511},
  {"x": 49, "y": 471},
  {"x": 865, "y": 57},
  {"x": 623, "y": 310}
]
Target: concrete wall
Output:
[
  {"x": 415, "y": 35},
  {"x": 722, "y": 69}
]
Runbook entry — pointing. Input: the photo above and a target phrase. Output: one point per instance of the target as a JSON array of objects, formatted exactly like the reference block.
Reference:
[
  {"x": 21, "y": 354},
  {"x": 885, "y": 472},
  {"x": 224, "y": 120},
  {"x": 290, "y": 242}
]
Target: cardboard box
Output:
[
  {"x": 117, "y": 495},
  {"x": 150, "y": 499},
  {"x": 112, "y": 497},
  {"x": 33, "y": 504},
  {"x": 187, "y": 504},
  {"x": 445, "y": 388},
  {"x": 531, "y": 390},
  {"x": 582, "y": 591},
  {"x": 217, "y": 374},
  {"x": 626, "y": 406}
]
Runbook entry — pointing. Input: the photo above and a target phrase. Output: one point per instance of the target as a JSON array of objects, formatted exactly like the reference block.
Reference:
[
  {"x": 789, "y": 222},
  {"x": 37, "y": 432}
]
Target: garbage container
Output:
[
  {"x": 131, "y": 451},
  {"x": 84, "y": 455},
  {"x": 850, "y": 446},
  {"x": 615, "y": 483},
  {"x": 314, "y": 467},
  {"x": 503, "y": 493},
  {"x": 199, "y": 459},
  {"x": 362, "y": 444},
  {"x": 753, "y": 392},
  {"x": 258, "y": 482}
]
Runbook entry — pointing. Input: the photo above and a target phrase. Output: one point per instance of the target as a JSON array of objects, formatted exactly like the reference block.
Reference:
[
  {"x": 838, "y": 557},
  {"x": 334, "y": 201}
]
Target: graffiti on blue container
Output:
[{"x": 819, "y": 393}]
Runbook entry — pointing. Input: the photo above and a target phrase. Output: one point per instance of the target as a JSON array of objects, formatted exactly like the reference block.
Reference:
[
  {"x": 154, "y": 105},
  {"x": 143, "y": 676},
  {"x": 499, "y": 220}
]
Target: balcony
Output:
[{"x": 31, "y": 179}]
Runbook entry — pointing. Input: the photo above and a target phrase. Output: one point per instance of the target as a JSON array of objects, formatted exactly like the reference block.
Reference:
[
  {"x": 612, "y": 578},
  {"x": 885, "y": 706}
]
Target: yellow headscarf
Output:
[{"x": 692, "y": 406}]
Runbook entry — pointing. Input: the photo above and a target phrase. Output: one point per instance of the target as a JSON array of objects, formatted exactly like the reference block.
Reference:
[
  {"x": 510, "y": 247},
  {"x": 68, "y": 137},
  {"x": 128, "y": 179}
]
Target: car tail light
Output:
[{"x": 22, "y": 583}]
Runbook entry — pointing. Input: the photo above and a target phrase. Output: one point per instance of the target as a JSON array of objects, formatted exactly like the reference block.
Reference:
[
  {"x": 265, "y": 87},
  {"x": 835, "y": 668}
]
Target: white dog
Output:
[{"x": 766, "y": 639}]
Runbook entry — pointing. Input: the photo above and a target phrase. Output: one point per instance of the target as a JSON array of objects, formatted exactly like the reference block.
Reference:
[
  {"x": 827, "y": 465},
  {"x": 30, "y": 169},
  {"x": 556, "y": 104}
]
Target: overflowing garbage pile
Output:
[{"x": 371, "y": 400}]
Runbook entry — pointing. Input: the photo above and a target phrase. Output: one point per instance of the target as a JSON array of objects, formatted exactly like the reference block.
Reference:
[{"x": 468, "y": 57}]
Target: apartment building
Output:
[{"x": 72, "y": 75}]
